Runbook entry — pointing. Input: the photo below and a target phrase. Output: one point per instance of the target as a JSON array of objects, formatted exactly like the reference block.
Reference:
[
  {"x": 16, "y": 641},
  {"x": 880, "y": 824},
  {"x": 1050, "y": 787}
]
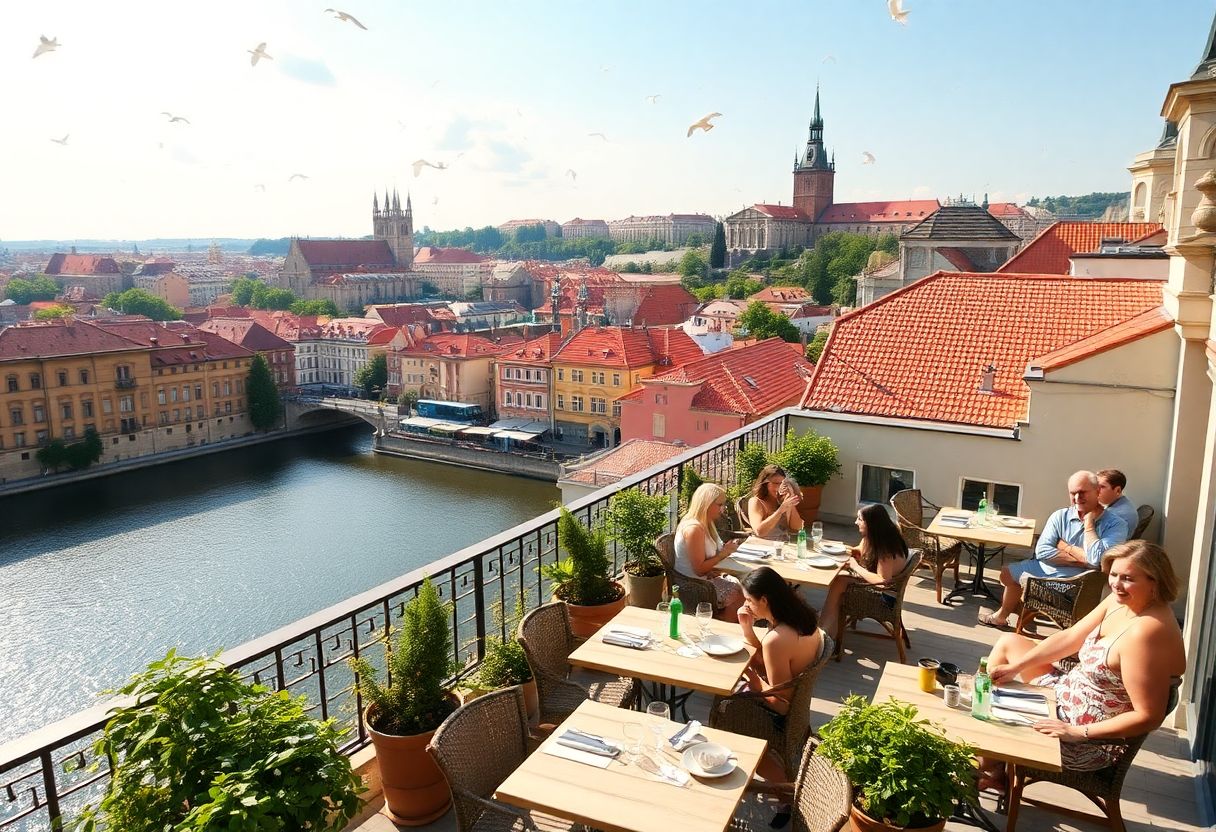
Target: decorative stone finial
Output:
[{"x": 1204, "y": 217}]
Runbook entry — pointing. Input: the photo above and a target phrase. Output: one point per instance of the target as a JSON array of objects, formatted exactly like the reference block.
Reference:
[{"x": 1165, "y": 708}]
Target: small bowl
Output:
[
  {"x": 711, "y": 756},
  {"x": 947, "y": 673}
]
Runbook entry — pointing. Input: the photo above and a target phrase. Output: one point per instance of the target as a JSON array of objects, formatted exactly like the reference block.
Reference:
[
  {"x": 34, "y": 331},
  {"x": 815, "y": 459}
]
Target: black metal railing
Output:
[{"x": 46, "y": 776}]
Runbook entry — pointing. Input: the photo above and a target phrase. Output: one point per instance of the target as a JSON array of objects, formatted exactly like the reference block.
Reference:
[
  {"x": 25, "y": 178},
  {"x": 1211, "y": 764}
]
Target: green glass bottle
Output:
[
  {"x": 677, "y": 607},
  {"x": 981, "y": 694}
]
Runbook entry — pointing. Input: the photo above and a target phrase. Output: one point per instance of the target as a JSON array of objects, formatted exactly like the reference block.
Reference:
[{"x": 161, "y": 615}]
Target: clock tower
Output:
[{"x": 814, "y": 172}]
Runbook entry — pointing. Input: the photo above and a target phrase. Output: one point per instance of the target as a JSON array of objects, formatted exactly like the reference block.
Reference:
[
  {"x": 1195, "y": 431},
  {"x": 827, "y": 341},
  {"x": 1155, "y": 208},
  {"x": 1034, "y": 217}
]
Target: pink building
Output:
[
  {"x": 712, "y": 396},
  {"x": 523, "y": 379}
]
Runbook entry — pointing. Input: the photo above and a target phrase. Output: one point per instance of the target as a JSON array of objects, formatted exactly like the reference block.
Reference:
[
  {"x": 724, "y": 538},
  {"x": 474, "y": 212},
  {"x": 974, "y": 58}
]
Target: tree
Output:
[
  {"x": 408, "y": 399},
  {"x": 707, "y": 293},
  {"x": 52, "y": 455},
  {"x": 373, "y": 376},
  {"x": 815, "y": 348},
  {"x": 20, "y": 290},
  {"x": 242, "y": 290},
  {"x": 141, "y": 302},
  {"x": 692, "y": 264},
  {"x": 264, "y": 405},
  {"x": 53, "y": 312},
  {"x": 758, "y": 321},
  {"x": 717, "y": 252},
  {"x": 268, "y": 297},
  {"x": 428, "y": 289},
  {"x": 315, "y": 307},
  {"x": 739, "y": 285}
]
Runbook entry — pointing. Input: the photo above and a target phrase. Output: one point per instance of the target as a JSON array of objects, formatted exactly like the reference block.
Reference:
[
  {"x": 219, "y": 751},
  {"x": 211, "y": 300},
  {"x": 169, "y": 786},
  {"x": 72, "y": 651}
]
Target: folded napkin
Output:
[
  {"x": 954, "y": 521},
  {"x": 622, "y": 640},
  {"x": 1035, "y": 707},
  {"x": 637, "y": 632},
  {"x": 686, "y": 736},
  {"x": 752, "y": 549},
  {"x": 577, "y": 755},
  {"x": 750, "y": 558},
  {"x": 589, "y": 743},
  {"x": 1006, "y": 715},
  {"x": 689, "y": 650}
]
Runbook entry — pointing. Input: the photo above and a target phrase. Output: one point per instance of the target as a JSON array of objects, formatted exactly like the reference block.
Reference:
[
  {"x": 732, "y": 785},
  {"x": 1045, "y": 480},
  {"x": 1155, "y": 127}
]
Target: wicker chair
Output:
[
  {"x": 497, "y": 720},
  {"x": 1103, "y": 787},
  {"x": 874, "y": 601},
  {"x": 1144, "y": 516},
  {"x": 937, "y": 553},
  {"x": 1063, "y": 600},
  {"x": 741, "y": 512},
  {"x": 693, "y": 591},
  {"x": 822, "y": 796},
  {"x": 548, "y": 642},
  {"x": 744, "y": 713}
]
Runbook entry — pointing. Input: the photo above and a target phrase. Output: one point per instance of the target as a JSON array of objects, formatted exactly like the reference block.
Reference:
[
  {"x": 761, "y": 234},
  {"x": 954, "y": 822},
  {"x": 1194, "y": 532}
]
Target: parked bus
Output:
[{"x": 456, "y": 412}]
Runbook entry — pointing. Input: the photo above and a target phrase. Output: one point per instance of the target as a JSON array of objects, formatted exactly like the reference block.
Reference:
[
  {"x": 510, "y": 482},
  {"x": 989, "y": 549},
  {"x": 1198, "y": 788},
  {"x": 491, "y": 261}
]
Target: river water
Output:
[{"x": 100, "y": 577}]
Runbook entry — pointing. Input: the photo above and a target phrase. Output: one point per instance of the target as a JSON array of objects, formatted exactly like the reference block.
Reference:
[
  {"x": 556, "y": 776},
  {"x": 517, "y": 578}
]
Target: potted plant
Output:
[
  {"x": 203, "y": 749},
  {"x": 748, "y": 463},
  {"x": 906, "y": 773},
  {"x": 634, "y": 519},
  {"x": 404, "y": 712},
  {"x": 504, "y": 664},
  {"x": 583, "y": 580},
  {"x": 811, "y": 459}
]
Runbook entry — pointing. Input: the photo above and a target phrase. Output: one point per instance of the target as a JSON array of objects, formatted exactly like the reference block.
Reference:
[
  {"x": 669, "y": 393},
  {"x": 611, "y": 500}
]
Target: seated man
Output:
[
  {"x": 1073, "y": 541},
  {"x": 1111, "y": 483}
]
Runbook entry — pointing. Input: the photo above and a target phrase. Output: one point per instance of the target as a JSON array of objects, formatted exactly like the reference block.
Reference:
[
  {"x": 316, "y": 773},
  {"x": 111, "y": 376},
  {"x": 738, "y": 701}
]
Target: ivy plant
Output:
[{"x": 202, "y": 749}]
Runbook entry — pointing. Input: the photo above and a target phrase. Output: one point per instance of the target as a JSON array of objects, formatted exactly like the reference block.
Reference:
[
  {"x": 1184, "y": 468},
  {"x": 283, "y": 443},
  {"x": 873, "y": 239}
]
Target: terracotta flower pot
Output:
[
  {"x": 585, "y": 620},
  {"x": 808, "y": 509},
  {"x": 415, "y": 790},
  {"x": 644, "y": 590},
  {"x": 864, "y": 823}
]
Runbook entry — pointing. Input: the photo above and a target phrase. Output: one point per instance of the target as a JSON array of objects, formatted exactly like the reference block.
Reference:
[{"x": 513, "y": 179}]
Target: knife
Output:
[{"x": 1020, "y": 694}]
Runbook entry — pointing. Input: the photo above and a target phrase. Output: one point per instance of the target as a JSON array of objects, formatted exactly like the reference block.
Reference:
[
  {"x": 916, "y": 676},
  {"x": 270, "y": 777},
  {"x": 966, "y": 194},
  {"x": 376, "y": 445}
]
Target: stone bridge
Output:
[{"x": 306, "y": 411}]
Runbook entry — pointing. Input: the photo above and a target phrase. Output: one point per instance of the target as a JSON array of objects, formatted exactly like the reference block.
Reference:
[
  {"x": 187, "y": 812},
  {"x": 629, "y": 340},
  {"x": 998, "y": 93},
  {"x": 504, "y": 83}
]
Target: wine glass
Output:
[
  {"x": 635, "y": 736},
  {"x": 705, "y": 614},
  {"x": 657, "y": 716},
  {"x": 664, "y": 607},
  {"x": 816, "y": 534}
]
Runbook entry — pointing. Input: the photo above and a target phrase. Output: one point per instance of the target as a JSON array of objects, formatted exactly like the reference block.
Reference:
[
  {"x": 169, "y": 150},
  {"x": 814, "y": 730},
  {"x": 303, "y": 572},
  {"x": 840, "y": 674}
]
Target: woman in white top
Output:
[{"x": 699, "y": 549}]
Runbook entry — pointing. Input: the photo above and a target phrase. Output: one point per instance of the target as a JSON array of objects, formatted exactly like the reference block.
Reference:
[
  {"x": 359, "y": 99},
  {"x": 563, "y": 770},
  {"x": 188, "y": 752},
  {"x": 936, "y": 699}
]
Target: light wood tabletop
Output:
[
  {"x": 791, "y": 570},
  {"x": 623, "y": 797},
  {"x": 998, "y": 535},
  {"x": 660, "y": 663},
  {"x": 1019, "y": 744}
]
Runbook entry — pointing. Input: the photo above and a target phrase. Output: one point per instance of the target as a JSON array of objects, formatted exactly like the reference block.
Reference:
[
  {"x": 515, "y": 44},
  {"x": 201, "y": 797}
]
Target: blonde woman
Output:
[
  {"x": 699, "y": 549},
  {"x": 772, "y": 509}
]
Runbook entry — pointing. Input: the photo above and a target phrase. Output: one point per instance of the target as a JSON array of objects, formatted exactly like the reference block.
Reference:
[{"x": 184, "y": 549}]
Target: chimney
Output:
[{"x": 988, "y": 377}]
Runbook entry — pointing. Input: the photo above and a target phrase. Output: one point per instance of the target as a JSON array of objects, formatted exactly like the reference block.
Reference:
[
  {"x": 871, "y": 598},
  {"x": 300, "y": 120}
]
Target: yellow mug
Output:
[{"x": 928, "y": 674}]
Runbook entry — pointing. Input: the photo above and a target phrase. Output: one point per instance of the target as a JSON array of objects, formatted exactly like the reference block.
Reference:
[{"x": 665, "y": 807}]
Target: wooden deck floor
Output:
[{"x": 1159, "y": 792}]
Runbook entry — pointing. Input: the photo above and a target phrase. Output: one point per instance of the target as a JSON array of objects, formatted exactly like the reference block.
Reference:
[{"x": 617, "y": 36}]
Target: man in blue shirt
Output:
[
  {"x": 1110, "y": 494},
  {"x": 1073, "y": 541}
]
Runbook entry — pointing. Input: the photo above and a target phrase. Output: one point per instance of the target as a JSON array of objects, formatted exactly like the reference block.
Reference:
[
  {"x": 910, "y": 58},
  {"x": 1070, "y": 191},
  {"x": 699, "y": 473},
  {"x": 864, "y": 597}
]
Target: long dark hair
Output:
[
  {"x": 766, "y": 473},
  {"x": 787, "y": 606},
  {"x": 883, "y": 539}
]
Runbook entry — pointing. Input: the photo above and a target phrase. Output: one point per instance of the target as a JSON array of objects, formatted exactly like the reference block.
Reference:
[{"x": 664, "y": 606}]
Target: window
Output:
[
  {"x": 616, "y": 379},
  {"x": 561, "y": 374},
  {"x": 227, "y": 388},
  {"x": 879, "y": 483},
  {"x": 576, "y": 375},
  {"x": 66, "y": 408},
  {"x": 39, "y": 413},
  {"x": 215, "y": 389},
  {"x": 506, "y": 398},
  {"x": 189, "y": 416},
  {"x": 598, "y": 405},
  {"x": 19, "y": 440},
  {"x": 658, "y": 425},
  {"x": 35, "y": 381},
  {"x": 16, "y": 416},
  {"x": 616, "y": 410},
  {"x": 62, "y": 377},
  {"x": 13, "y": 386},
  {"x": 122, "y": 372},
  {"x": 160, "y": 395},
  {"x": 660, "y": 398},
  {"x": 86, "y": 408},
  {"x": 198, "y": 391},
  {"x": 1006, "y": 496},
  {"x": 172, "y": 394},
  {"x": 164, "y": 417},
  {"x": 126, "y": 404},
  {"x": 186, "y": 393},
  {"x": 42, "y": 437},
  {"x": 597, "y": 377},
  {"x": 177, "y": 415},
  {"x": 227, "y": 407},
  {"x": 561, "y": 402},
  {"x": 107, "y": 406},
  {"x": 84, "y": 376}
]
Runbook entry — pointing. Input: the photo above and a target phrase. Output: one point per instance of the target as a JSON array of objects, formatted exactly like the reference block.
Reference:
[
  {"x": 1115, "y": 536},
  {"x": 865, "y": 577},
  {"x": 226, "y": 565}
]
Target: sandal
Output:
[{"x": 989, "y": 619}]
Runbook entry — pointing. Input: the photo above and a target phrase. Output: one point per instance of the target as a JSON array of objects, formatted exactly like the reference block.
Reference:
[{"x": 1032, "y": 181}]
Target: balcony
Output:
[{"x": 124, "y": 383}]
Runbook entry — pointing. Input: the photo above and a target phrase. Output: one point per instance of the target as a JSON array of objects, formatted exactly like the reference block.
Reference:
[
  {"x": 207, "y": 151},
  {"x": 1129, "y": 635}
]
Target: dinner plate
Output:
[
  {"x": 823, "y": 562},
  {"x": 1016, "y": 522},
  {"x": 718, "y": 645},
  {"x": 689, "y": 760},
  {"x": 832, "y": 548}
]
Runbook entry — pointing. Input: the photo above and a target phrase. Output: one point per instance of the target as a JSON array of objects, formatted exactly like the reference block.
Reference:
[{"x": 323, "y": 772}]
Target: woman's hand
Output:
[
  {"x": 791, "y": 501},
  {"x": 1065, "y": 731},
  {"x": 1002, "y": 673},
  {"x": 746, "y": 619}
]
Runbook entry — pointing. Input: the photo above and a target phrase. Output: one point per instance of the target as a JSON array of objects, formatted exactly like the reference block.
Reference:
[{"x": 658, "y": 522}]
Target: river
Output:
[{"x": 97, "y": 578}]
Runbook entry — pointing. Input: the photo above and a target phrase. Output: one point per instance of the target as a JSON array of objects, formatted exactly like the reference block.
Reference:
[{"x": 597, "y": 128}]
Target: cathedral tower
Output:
[
  {"x": 814, "y": 173},
  {"x": 395, "y": 226}
]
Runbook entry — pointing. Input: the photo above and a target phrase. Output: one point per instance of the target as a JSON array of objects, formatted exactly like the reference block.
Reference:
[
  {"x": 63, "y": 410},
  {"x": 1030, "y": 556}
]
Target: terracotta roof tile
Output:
[
  {"x": 919, "y": 352},
  {"x": 246, "y": 332},
  {"x": 781, "y": 212},
  {"x": 538, "y": 350},
  {"x": 614, "y": 346},
  {"x": 1005, "y": 209},
  {"x": 346, "y": 254},
  {"x": 901, "y": 211},
  {"x": 781, "y": 294},
  {"x": 664, "y": 305},
  {"x": 1146, "y": 323},
  {"x": 631, "y": 457},
  {"x": 453, "y": 345},
  {"x": 62, "y": 337},
  {"x": 81, "y": 264},
  {"x": 1048, "y": 253},
  {"x": 434, "y": 254}
]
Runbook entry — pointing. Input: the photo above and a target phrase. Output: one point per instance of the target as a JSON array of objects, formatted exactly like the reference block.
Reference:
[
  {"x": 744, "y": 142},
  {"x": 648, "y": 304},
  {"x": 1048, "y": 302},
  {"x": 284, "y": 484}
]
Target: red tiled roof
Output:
[
  {"x": 1005, "y": 209},
  {"x": 781, "y": 212},
  {"x": 664, "y": 305},
  {"x": 537, "y": 350},
  {"x": 919, "y": 352},
  {"x": 1048, "y": 253},
  {"x": 246, "y": 332},
  {"x": 908, "y": 210},
  {"x": 346, "y": 254},
  {"x": 453, "y": 345},
  {"x": 434, "y": 254},
  {"x": 632, "y": 456},
  {"x": 1144, "y": 238},
  {"x": 781, "y": 294},
  {"x": 755, "y": 379},
  {"x": 614, "y": 346},
  {"x": 81, "y": 264},
  {"x": 401, "y": 314},
  {"x": 958, "y": 258},
  {"x": 1147, "y": 323},
  {"x": 385, "y": 335},
  {"x": 60, "y": 337}
]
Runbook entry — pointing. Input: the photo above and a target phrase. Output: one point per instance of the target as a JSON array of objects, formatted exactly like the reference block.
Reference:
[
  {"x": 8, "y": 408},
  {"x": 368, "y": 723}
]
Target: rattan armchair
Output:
[
  {"x": 822, "y": 797},
  {"x": 548, "y": 642},
  {"x": 1144, "y": 516},
  {"x": 1063, "y": 600},
  {"x": 883, "y": 603},
  {"x": 498, "y": 721},
  {"x": 745, "y": 521},
  {"x": 1103, "y": 787},
  {"x": 693, "y": 591},
  {"x": 937, "y": 553},
  {"x": 745, "y": 713}
]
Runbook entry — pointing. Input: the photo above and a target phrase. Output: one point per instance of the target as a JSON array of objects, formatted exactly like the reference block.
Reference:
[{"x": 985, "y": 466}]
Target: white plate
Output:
[
  {"x": 832, "y": 548},
  {"x": 1016, "y": 522},
  {"x": 716, "y": 645},
  {"x": 689, "y": 760},
  {"x": 823, "y": 562}
]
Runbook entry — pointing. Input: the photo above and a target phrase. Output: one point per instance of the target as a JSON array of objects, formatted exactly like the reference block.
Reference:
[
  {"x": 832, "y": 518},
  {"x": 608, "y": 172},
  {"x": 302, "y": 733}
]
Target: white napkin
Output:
[
  {"x": 619, "y": 640},
  {"x": 585, "y": 757},
  {"x": 1006, "y": 715},
  {"x": 688, "y": 735},
  {"x": 1034, "y": 707},
  {"x": 673, "y": 774},
  {"x": 750, "y": 558},
  {"x": 753, "y": 549},
  {"x": 689, "y": 651},
  {"x": 639, "y": 632}
]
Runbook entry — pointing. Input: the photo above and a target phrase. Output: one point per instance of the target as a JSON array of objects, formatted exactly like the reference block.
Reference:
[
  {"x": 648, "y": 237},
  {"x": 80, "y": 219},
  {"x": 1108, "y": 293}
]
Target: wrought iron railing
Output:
[{"x": 47, "y": 776}]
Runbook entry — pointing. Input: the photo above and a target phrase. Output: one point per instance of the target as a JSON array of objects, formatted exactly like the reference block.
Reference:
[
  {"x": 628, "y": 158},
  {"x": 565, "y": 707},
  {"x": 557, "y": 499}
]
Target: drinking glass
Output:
[
  {"x": 635, "y": 736},
  {"x": 816, "y": 534},
  {"x": 705, "y": 614},
  {"x": 657, "y": 716},
  {"x": 966, "y": 686},
  {"x": 664, "y": 607}
]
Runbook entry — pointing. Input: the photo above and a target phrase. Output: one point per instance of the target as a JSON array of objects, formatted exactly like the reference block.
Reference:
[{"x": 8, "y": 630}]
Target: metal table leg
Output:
[
  {"x": 977, "y": 585},
  {"x": 676, "y": 699},
  {"x": 973, "y": 814}
]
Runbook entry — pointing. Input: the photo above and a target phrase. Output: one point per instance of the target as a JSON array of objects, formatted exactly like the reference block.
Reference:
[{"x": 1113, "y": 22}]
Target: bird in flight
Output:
[
  {"x": 867, "y": 158},
  {"x": 346, "y": 18},
  {"x": 828, "y": 59},
  {"x": 258, "y": 54},
  {"x": 653, "y": 99},
  {"x": 175, "y": 119},
  {"x": 295, "y": 176},
  {"x": 898, "y": 13},
  {"x": 46, "y": 45},
  {"x": 423, "y": 163},
  {"x": 64, "y": 140},
  {"x": 572, "y": 174},
  {"x": 704, "y": 124},
  {"x": 601, "y": 135}
]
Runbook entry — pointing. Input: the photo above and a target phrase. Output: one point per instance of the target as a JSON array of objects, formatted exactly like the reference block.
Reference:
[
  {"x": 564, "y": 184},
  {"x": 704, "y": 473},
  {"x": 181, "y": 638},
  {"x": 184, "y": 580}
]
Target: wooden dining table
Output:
[
  {"x": 977, "y": 537},
  {"x": 623, "y": 797},
  {"x": 791, "y": 569}
]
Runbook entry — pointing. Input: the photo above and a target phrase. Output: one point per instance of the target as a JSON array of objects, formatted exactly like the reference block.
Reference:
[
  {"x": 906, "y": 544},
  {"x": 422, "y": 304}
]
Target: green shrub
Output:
[
  {"x": 810, "y": 458},
  {"x": 634, "y": 519},
  {"x": 584, "y": 577},
  {"x": 748, "y": 463}
]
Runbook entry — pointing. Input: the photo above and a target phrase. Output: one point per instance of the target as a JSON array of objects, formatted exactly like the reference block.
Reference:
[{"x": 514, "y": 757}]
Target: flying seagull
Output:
[
  {"x": 828, "y": 58},
  {"x": 64, "y": 140},
  {"x": 258, "y": 54},
  {"x": 46, "y": 45},
  {"x": 867, "y": 158},
  {"x": 423, "y": 163},
  {"x": 601, "y": 135},
  {"x": 346, "y": 18},
  {"x": 295, "y": 176},
  {"x": 703, "y": 124},
  {"x": 175, "y": 119},
  {"x": 573, "y": 176},
  {"x": 898, "y": 13},
  {"x": 653, "y": 99}
]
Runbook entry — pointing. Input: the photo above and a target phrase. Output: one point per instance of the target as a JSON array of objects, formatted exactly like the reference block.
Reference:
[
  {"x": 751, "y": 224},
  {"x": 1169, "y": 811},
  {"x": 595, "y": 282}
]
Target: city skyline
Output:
[{"x": 544, "y": 111}]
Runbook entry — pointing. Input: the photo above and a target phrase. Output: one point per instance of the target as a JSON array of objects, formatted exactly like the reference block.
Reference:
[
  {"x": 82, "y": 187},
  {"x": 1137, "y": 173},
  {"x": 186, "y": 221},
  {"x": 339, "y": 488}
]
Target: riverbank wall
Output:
[{"x": 520, "y": 465}]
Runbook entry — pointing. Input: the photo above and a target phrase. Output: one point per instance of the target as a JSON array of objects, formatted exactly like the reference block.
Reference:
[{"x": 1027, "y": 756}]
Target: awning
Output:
[
  {"x": 517, "y": 435},
  {"x": 509, "y": 424},
  {"x": 420, "y": 422},
  {"x": 479, "y": 431},
  {"x": 444, "y": 427}
]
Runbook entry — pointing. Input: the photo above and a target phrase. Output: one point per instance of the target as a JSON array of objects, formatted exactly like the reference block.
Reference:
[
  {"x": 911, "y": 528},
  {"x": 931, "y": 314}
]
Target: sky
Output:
[{"x": 970, "y": 97}]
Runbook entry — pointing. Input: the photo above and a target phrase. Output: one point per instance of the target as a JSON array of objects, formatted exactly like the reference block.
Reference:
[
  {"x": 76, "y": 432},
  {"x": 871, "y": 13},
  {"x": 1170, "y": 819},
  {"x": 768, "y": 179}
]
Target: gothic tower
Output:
[
  {"x": 814, "y": 173},
  {"x": 395, "y": 226}
]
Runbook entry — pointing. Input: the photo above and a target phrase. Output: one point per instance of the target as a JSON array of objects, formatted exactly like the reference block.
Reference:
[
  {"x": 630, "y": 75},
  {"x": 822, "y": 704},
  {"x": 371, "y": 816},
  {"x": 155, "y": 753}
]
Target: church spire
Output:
[
  {"x": 816, "y": 120},
  {"x": 375, "y": 203},
  {"x": 816, "y": 157},
  {"x": 409, "y": 209},
  {"x": 1207, "y": 64}
]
